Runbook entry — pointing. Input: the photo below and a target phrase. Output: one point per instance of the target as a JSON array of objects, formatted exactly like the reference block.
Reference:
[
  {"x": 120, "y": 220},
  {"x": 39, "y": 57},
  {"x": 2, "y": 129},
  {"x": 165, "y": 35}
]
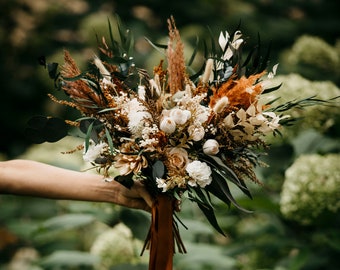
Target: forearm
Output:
[{"x": 23, "y": 177}]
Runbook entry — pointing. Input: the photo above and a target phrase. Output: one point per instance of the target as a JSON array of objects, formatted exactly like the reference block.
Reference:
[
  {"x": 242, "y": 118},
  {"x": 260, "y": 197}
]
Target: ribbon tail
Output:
[{"x": 161, "y": 234}]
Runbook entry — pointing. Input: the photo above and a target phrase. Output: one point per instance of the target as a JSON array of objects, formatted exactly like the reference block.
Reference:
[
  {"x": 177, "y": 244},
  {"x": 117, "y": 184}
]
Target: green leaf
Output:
[
  {"x": 52, "y": 69},
  {"x": 226, "y": 172},
  {"x": 46, "y": 129},
  {"x": 224, "y": 194},
  {"x": 68, "y": 258},
  {"x": 192, "y": 58},
  {"x": 208, "y": 211},
  {"x": 158, "y": 169},
  {"x": 109, "y": 140},
  {"x": 157, "y": 46},
  {"x": 66, "y": 222}
]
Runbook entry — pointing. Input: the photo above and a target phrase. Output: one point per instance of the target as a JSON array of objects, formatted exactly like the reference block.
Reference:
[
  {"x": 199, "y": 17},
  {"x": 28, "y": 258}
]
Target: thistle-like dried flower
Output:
[{"x": 83, "y": 95}]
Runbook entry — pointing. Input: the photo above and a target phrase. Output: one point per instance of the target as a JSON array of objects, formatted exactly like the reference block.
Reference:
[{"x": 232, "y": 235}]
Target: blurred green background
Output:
[{"x": 296, "y": 221}]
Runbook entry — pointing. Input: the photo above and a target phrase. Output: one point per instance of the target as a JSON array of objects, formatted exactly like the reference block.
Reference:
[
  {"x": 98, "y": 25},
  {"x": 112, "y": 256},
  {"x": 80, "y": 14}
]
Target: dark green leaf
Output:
[
  {"x": 46, "y": 129},
  {"x": 208, "y": 211},
  {"x": 266, "y": 91},
  {"x": 226, "y": 172},
  {"x": 223, "y": 186},
  {"x": 109, "y": 140},
  {"x": 52, "y": 69}
]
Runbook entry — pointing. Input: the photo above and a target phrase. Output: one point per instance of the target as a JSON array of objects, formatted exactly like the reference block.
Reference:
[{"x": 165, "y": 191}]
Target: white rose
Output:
[
  {"x": 211, "y": 147},
  {"x": 168, "y": 125},
  {"x": 200, "y": 173},
  {"x": 196, "y": 132}
]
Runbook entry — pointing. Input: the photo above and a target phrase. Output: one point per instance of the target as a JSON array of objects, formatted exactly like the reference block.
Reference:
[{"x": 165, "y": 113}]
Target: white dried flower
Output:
[
  {"x": 200, "y": 173},
  {"x": 221, "y": 104},
  {"x": 167, "y": 125},
  {"x": 141, "y": 92},
  {"x": 161, "y": 183},
  {"x": 209, "y": 65},
  {"x": 211, "y": 147},
  {"x": 137, "y": 114},
  {"x": 94, "y": 151},
  {"x": 223, "y": 40},
  {"x": 102, "y": 69}
]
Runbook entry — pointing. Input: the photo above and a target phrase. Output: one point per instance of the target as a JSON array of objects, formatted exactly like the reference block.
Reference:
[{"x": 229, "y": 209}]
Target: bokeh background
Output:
[{"x": 295, "y": 224}]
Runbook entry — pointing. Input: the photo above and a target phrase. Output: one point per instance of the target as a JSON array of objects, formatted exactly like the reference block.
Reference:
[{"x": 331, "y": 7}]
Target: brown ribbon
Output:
[{"x": 162, "y": 235}]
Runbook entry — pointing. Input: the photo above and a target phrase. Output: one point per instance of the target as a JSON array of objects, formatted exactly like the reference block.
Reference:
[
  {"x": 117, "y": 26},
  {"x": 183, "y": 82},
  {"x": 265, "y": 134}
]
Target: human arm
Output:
[{"x": 24, "y": 177}]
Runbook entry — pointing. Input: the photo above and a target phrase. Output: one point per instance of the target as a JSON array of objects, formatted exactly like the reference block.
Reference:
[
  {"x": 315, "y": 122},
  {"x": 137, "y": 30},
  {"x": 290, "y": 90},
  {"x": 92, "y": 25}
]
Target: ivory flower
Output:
[
  {"x": 196, "y": 132},
  {"x": 211, "y": 147},
  {"x": 161, "y": 183},
  {"x": 200, "y": 173},
  {"x": 137, "y": 114},
  {"x": 180, "y": 116},
  {"x": 168, "y": 125}
]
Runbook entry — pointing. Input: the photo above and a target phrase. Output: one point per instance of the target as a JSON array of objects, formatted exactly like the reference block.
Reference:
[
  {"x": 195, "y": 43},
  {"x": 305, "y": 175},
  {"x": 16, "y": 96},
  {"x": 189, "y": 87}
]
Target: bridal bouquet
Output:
[{"x": 180, "y": 133}]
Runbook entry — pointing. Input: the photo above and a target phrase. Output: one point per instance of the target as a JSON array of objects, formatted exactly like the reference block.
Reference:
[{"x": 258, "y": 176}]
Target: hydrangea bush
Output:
[{"x": 311, "y": 188}]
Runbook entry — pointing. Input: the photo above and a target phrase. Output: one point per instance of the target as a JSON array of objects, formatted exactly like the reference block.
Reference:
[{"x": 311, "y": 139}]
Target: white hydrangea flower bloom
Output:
[
  {"x": 200, "y": 173},
  {"x": 116, "y": 246},
  {"x": 311, "y": 188}
]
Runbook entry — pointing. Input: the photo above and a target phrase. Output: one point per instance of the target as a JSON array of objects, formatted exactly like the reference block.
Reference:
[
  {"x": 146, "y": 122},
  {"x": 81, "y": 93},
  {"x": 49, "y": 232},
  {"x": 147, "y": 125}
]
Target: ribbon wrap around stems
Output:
[{"x": 163, "y": 234}]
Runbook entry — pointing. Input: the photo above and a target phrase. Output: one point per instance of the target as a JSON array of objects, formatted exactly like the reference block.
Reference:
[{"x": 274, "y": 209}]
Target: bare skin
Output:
[{"x": 24, "y": 177}]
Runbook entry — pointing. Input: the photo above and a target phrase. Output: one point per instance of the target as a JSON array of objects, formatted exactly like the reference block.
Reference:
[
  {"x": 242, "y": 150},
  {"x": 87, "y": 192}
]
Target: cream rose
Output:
[
  {"x": 178, "y": 158},
  {"x": 200, "y": 173}
]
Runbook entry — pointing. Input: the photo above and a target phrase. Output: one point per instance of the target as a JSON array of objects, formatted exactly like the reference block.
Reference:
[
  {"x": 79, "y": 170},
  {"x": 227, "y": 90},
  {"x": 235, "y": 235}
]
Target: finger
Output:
[{"x": 145, "y": 194}]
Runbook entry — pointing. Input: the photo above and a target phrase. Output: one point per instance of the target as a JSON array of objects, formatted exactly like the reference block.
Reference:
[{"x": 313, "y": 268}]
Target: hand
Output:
[{"x": 136, "y": 197}]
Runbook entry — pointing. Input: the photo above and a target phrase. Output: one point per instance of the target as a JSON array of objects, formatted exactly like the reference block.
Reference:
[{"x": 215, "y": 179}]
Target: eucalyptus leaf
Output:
[{"x": 158, "y": 169}]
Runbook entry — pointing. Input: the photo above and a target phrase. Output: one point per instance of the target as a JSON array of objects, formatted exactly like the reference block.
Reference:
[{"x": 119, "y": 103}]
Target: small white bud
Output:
[
  {"x": 168, "y": 125},
  {"x": 211, "y": 147}
]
